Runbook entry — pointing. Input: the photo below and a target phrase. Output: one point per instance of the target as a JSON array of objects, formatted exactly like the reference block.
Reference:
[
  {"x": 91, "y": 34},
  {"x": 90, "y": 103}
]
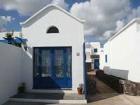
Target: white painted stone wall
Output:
[
  {"x": 71, "y": 34},
  {"x": 102, "y": 58},
  {"x": 10, "y": 77},
  {"x": 88, "y": 55},
  {"x": 123, "y": 54}
]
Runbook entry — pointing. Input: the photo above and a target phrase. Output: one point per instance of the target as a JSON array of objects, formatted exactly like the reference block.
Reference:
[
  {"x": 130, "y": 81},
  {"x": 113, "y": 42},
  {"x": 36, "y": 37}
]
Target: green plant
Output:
[
  {"x": 22, "y": 88},
  {"x": 11, "y": 39}
]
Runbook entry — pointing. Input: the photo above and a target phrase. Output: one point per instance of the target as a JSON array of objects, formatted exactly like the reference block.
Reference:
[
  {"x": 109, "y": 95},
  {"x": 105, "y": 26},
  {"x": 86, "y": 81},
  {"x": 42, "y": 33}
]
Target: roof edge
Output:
[
  {"x": 124, "y": 28},
  {"x": 49, "y": 6}
]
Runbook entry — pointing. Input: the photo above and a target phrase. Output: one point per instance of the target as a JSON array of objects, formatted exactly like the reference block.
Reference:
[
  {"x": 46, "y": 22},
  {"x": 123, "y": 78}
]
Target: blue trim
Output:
[
  {"x": 53, "y": 62},
  {"x": 85, "y": 72},
  {"x": 40, "y": 62},
  {"x": 96, "y": 64},
  {"x": 53, "y": 81},
  {"x": 14, "y": 40},
  {"x": 95, "y": 50},
  {"x": 106, "y": 58}
]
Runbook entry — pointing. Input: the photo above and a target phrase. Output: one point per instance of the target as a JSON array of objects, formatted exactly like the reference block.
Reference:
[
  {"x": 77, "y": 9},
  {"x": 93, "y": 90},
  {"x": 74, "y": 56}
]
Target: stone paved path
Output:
[
  {"x": 107, "y": 96},
  {"x": 102, "y": 87}
]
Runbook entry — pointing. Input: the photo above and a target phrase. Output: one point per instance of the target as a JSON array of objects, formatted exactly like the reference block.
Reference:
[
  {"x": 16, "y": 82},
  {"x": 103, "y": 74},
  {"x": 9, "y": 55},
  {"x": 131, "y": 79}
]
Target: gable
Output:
[{"x": 44, "y": 12}]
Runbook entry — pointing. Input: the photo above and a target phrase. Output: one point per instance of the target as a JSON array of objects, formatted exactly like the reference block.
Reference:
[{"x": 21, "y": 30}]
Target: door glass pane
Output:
[
  {"x": 69, "y": 61},
  {"x": 59, "y": 63},
  {"x": 45, "y": 63},
  {"x": 36, "y": 62}
]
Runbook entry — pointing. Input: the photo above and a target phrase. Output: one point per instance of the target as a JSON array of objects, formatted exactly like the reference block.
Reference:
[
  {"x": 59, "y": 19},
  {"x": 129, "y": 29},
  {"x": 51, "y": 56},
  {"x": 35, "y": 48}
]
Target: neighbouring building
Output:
[
  {"x": 122, "y": 53},
  {"x": 93, "y": 50}
]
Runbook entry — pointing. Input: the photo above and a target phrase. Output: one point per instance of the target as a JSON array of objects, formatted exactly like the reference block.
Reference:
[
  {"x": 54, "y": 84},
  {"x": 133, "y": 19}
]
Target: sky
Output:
[{"x": 102, "y": 17}]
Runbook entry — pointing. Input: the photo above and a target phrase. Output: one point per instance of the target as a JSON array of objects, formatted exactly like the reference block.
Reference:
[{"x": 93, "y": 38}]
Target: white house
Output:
[
  {"x": 93, "y": 50},
  {"x": 121, "y": 53},
  {"x": 55, "y": 55},
  {"x": 95, "y": 54},
  {"x": 52, "y": 59},
  {"x": 88, "y": 55}
]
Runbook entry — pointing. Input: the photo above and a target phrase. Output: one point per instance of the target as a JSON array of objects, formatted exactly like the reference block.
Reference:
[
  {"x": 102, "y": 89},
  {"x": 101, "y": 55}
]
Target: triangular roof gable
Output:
[
  {"x": 124, "y": 28},
  {"x": 48, "y": 8}
]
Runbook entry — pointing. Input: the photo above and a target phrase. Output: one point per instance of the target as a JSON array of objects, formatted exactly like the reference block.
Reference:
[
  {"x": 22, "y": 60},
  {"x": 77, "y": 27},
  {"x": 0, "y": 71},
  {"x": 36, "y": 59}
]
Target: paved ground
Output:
[
  {"x": 103, "y": 88},
  {"x": 104, "y": 96},
  {"x": 103, "y": 99},
  {"x": 114, "y": 99},
  {"x": 107, "y": 96},
  {"x": 51, "y": 96}
]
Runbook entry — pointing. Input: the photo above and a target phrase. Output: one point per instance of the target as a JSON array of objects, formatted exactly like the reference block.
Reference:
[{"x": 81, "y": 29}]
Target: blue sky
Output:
[
  {"x": 12, "y": 14},
  {"x": 18, "y": 18}
]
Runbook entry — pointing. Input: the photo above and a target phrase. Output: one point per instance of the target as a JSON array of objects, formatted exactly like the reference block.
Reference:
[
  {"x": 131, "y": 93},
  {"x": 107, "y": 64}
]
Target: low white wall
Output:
[{"x": 9, "y": 71}]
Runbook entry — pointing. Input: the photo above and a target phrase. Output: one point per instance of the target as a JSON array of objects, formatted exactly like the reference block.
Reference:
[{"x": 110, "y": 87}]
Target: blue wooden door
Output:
[
  {"x": 96, "y": 64},
  {"x": 52, "y": 68}
]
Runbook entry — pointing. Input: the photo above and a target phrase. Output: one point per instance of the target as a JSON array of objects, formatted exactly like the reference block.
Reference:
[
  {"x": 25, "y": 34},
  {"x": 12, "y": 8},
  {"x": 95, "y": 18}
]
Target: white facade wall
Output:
[
  {"x": 88, "y": 55},
  {"x": 136, "y": 67},
  {"x": 10, "y": 62},
  {"x": 71, "y": 34},
  {"x": 95, "y": 45},
  {"x": 90, "y": 50},
  {"x": 106, "y": 51},
  {"x": 123, "y": 54},
  {"x": 102, "y": 58}
]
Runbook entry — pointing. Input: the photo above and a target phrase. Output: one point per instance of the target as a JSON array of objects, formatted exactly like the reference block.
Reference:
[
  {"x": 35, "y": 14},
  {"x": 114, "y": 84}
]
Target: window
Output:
[
  {"x": 106, "y": 58},
  {"x": 53, "y": 29},
  {"x": 95, "y": 50}
]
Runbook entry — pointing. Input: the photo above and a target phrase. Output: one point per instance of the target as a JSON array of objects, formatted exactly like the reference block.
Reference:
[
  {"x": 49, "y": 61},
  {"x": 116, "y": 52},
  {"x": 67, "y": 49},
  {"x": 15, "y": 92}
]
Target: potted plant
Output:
[
  {"x": 80, "y": 89},
  {"x": 22, "y": 88}
]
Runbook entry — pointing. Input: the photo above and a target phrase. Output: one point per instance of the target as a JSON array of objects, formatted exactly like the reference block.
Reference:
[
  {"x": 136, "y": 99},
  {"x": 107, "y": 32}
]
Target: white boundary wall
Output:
[
  {"x": 10, "y": 62},
  {"x": 124, "y": 54}
]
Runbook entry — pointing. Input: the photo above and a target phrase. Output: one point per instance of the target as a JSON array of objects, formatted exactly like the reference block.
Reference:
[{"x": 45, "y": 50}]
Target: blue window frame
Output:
[
  {"x": 95, "y": 50},
  {"x": 106, "y": 59}
]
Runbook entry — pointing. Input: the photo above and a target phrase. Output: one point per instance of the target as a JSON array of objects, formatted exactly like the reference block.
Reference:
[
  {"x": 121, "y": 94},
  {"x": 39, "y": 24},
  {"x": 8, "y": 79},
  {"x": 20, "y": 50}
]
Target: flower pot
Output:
[{"x": 79, "y": 90}]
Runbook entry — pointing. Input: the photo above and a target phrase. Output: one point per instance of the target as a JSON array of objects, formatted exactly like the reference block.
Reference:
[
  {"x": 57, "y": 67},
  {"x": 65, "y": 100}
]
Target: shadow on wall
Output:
[
  {"x": 27, "y": 72},
  {"x": 116, "y": 72},
  {"x": 10, "y": 61}
]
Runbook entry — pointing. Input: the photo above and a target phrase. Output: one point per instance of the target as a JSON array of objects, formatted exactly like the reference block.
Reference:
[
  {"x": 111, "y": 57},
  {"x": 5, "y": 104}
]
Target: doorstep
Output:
[
  {"x": 54, "y": 98},
  {"x": 66, "y": 91}
]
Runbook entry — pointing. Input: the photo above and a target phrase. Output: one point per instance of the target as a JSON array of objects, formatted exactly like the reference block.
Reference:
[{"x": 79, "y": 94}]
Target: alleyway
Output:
[
  {"x": 99, "y": 94},
  {"x": 104, "y": 95}
]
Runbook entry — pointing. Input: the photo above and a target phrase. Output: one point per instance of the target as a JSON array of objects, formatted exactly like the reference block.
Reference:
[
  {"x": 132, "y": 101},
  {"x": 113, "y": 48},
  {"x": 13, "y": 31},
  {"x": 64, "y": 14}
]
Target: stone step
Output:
[
  {"x": 66, "y": 91},
  {"x": 54, "y": 98},
  {"x": 31, "y": 103}
]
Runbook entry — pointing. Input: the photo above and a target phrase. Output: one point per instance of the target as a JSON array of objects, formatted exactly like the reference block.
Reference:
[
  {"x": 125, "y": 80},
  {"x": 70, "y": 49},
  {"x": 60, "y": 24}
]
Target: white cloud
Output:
[
  {"x": 4, "y": 20},
  {"x": 108, "y": 33},
  {"x": 61, "y": 3},
  {"x": 104, "y": 17},
  {"x": 28, "y": 7}
]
